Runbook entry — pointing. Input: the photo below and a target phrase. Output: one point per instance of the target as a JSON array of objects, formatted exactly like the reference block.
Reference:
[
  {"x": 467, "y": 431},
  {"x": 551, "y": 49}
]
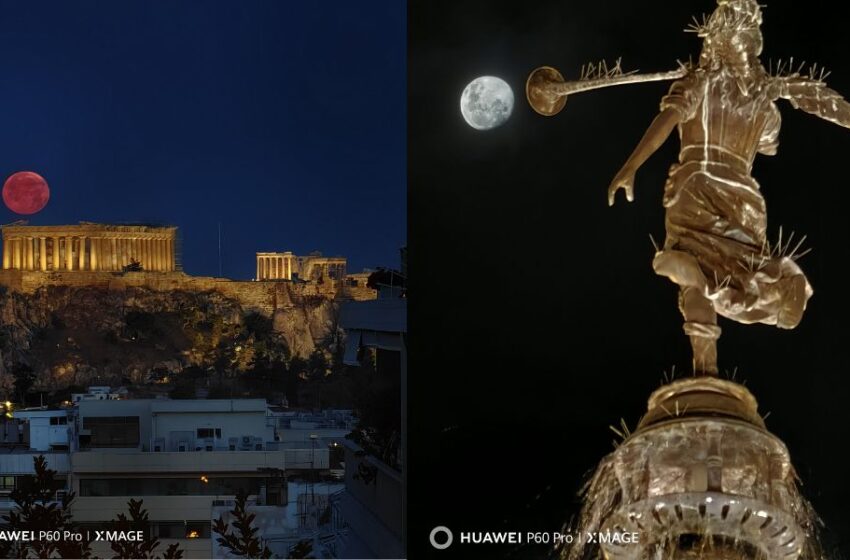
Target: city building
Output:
[
  {"x": 88, "y": 246},
  {"x": 373, "y": 505},
  {"x": 99, "y": 393},
  {"x": 186, "y": 459}
]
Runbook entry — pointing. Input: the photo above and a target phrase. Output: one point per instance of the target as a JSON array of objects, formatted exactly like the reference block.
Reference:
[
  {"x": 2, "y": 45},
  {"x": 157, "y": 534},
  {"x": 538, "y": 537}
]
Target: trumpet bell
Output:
[{"x": 540, "y": 96}]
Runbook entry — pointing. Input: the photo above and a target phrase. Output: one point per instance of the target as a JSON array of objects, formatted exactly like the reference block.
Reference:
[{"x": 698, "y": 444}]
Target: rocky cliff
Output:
[{"x": 65, "y": 336}]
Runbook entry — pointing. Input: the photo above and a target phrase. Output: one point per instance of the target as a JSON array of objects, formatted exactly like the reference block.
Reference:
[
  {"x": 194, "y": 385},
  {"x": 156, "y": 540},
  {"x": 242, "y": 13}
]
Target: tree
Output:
[
  {"x": 24, "y": 380},
  {"x": 138, "y": 521},
  {"x": 37, "y": 509},
  {"x": 243, "y": 541},
  {"x": 302, "y": 549}
]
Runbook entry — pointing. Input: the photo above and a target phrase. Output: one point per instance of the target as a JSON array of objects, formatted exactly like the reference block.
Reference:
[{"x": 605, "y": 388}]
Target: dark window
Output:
[
  {"x": 204, "y": 433},
  {"x": 58, "y": 420},
  {"x": 7, "y": 482},
  {"x": 226, "y": 486},
  {"x": 111, "y": 431}
]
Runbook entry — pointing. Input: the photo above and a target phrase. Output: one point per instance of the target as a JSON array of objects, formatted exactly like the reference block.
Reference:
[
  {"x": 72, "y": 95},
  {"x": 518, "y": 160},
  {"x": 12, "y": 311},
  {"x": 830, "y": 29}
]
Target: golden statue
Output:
[{"x": 724, "y": 107}]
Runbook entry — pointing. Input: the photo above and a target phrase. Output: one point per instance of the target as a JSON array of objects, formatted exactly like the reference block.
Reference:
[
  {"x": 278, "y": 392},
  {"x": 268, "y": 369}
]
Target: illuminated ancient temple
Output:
[
  {"x": 88, "y": 247},
  {"x": 313, "y": 267}
]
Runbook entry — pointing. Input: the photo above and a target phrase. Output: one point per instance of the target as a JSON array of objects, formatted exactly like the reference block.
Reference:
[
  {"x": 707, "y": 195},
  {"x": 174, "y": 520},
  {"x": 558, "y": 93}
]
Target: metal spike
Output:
[
  {"x": 616, "y": 431},
  {"x": 797, "y": 247},
  {"x": 803, "y": 254},
  {"x": 788, "y": 244}
]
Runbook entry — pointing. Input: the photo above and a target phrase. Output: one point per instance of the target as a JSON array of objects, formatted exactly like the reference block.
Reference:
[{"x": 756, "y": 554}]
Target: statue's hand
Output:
[{"x": 625, "y": 180}]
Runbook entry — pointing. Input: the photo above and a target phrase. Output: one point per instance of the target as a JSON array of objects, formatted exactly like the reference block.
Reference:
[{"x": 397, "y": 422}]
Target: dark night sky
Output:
[
  {"x": 284, "y": 121},
  {"x": 537, "y": 321}
]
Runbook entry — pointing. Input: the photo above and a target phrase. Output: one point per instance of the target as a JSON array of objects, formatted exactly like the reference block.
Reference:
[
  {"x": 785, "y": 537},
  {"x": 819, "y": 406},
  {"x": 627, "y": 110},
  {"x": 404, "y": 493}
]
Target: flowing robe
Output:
[{"x": 716, "y": 219}]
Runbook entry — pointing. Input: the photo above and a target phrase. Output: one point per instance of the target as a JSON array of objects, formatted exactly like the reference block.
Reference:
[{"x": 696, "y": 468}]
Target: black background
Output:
[{"x": 535, "y": 317}]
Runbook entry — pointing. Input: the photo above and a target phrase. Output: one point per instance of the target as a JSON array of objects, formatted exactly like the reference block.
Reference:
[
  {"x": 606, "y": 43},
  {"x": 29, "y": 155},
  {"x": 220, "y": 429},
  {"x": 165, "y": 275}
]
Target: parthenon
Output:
[{"x": 88, "y": 247}]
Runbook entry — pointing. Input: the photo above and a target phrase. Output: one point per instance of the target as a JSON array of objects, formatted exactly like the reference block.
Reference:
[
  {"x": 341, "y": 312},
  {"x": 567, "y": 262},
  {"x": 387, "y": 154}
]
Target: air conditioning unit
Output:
[
  {"x": 182, "y": 446},
  {"x": 232, "y": 443},
  {"x": 158, "y": 444},
  {"x": 246, "y": 440}
]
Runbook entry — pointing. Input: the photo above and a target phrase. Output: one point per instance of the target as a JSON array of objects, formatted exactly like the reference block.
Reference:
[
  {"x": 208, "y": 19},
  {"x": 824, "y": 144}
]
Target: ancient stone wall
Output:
[{"x": 264, "y": 297}]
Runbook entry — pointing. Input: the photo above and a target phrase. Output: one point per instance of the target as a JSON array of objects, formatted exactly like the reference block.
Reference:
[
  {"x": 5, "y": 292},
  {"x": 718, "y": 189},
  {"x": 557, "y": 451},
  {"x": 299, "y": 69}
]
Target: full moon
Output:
[
  {"x": 486, "y": 102},
  {"x": 25, "y": 192}
]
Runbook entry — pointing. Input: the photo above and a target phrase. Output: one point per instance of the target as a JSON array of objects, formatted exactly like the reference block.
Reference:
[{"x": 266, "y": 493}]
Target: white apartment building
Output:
[{"x": 184, "y": 458}]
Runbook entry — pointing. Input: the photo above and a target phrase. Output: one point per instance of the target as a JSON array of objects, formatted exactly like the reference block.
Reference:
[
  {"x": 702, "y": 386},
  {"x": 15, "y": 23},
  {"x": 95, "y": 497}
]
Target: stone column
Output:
[
  {"x": 81, "y": 252},
  {"x": 42, "y": 253},
  {"x": 7, "y": 253},
  {"x": 113, "y": 253},
  {"x": 109, "y": 247},
  {"x": 69, "y": 253},
  {"x": 16, "y": 254},
  {"x": 27, "y": 241},
  {"x": 145, "y": 254},
  {"x": 57, "y": 263},
  {"x": 170, "y": 254},
  {"x": 93, "y": 252},
  {"x": 154, "y": 254}
]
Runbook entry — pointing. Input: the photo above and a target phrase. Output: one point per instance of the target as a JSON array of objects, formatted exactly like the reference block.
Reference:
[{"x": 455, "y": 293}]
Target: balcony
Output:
[{"x": 116, "y": 462}]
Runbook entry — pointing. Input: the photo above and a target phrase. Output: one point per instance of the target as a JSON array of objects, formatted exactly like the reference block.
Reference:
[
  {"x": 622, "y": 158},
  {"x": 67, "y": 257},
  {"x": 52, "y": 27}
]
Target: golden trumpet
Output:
[{"x": 547, "y": 91}]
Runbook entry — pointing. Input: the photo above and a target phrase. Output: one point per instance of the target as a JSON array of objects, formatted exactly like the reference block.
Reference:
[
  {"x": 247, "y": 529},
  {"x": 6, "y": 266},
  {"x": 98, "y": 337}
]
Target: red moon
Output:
[{"x": 25, "y": 192}]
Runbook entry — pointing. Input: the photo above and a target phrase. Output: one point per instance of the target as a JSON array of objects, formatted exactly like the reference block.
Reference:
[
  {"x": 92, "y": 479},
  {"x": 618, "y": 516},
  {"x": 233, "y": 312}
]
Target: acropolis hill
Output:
[
  {"x": 119, "y": 256},
  {"x": 103, "y": 303}
]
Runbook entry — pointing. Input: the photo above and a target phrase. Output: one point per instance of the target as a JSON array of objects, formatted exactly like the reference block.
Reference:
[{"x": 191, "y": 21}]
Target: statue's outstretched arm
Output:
[
  {"x": 813, "y": 96},
  {"x": 655, "y": 136}
]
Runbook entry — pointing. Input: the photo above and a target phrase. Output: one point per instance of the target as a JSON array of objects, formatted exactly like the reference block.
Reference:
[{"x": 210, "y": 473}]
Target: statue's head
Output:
[{"x": 732, "y": 34}]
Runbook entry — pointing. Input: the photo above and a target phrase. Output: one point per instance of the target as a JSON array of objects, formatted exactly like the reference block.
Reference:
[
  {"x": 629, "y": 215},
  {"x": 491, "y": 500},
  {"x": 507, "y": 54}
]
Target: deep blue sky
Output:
[{"x": 283, "y": 120}]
